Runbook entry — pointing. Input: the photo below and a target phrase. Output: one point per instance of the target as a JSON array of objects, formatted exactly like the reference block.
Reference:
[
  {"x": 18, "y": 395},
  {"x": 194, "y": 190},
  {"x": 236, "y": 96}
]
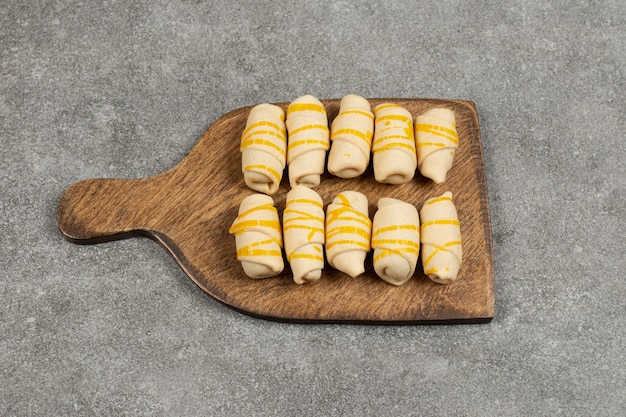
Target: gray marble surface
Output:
[{"x": 124, "y": 89}]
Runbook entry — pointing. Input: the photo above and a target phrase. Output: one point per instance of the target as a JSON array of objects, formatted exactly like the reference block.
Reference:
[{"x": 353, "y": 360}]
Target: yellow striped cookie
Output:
[
  {"x": 303, "y": 233},
  {"x": 436, "y": 140},
  {"x": 308, "y": 141},
  {"x": 395, "y": 240},
  {"x": 442, "y": 250},
  {"x": 258, "y": 237},
  {"x": 393, "y": 148},
  {"x": 264, "y": 148},
  {"x": 348, "y": 232}
]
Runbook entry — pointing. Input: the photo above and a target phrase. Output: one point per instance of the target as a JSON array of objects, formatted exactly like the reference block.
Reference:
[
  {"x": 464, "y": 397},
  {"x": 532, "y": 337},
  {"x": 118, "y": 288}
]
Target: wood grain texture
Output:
[{"x": 189, "y": 209}]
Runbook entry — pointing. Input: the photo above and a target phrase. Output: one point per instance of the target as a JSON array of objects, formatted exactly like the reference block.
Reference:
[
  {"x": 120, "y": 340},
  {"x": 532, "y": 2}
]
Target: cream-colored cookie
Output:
[
  {"x": 437, "y": 140},
  {"x": 258, "y": 237},
  {"x": 442, "y": 250},
  {"x": 308, "y": 141},
  {"x": 395, "y": 158},
  {"x": 348, "y": 232},
  {"x": 303, "y": 232},
  {"x": 351, "y": 136},
  {"x": 395, "y": 240},
  {"x": 264, "y": 148}
]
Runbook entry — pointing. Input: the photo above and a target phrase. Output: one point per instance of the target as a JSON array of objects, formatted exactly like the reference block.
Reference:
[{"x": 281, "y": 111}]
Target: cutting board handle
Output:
[{"x": 102, "y": 209}]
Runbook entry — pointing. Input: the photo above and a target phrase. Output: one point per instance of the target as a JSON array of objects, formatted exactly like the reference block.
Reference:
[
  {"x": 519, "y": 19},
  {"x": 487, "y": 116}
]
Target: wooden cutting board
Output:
[{"x": 189, "y": 209}]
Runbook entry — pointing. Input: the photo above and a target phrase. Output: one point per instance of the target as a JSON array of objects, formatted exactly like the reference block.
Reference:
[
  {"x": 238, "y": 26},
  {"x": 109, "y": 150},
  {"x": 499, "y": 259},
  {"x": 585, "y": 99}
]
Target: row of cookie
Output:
[
  {"x": 399, "y": 146},
  {"x": 346, "y": 234}
]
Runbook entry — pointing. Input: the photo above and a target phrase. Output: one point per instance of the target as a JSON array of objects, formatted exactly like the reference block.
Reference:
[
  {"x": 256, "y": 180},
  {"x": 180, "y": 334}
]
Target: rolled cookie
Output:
[
  {"x": 437, "y": 141},
  {"x": 308, "y": 141},
  {"x": 258, "y": 237},
  {"x": 351, "y": 136},
  {"x": 348, "y": 232},
  {"x": 264, "y": 148},
  {"x": 395, "y": 240},
  {"x": 303, "y": 232},
  {"x": 395, "y": 159},
  {"x": 441, "y": 239}
]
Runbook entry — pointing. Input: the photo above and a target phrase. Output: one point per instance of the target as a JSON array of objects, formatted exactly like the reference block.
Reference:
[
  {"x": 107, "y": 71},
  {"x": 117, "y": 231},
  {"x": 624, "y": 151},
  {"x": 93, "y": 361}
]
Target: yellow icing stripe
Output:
[
  {"x": 240, "y": 226},
  {"x": 303, "y": 218},
  {"x": 451, "y": 141},
  {"x": 278, "y": 139},
  {"x": 296, "y": 107},
  {"x": 346, "y": 207},
  {"x": 324, "y": 143},
  {"x": 302, "y": 226},
  {"x": 343, "y": 213},
  {"x": 437, "y": 250},
  {"x": 427, "y": 127},
  {"x": 309, "y": 127},
  {"x": 356, "y": 111},
  {"x": 406, "y": 242},
  {"x": 399, "y": 117},
  {"x": 352, "y": 230},
  {"x": 298, "y": 215},
  {"x": 364, "y": 245},
  {"x": 245, "y": 252},
  {"x": 379, "y": 129},
  {"x": 431, "y": 271},
  {"x": 249, "y": 251},
  {"x": 344, "y": 200},
  {"x": 264, "y": 142},
  {"x": 395, "y": 227},
  {"x": 304, "y": 201},
  {"x": 399, "y": 138},
  {"x": 438, "y": 199},
  {"x": 441, "y": 222},
  {"x": 263, "y": 169},
  {"x": 453, "y": 243},
  {"x": 260, "y": 123},
  {"x": 355, "y": 231},
  {"x": 352, "y": 132},
  {"x": 257, "y": 208},
  {"x": 385, "y": 106},
  {"x": 305, "y": 256},
  {"x": 399, "y": 251},
  {"x": 442, "y": 131},
  {"x": 383, "y": 252},
  {"x": 432, "y": 255},
  {"x": 279, "y": 135},
  {"x": 262, "y": 242},
  {"x": 394, "y": 145}
]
